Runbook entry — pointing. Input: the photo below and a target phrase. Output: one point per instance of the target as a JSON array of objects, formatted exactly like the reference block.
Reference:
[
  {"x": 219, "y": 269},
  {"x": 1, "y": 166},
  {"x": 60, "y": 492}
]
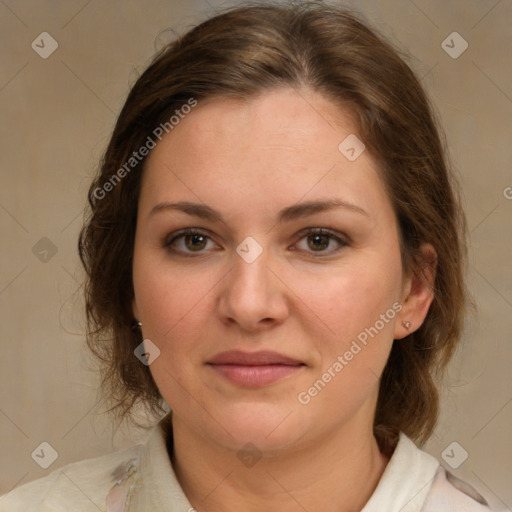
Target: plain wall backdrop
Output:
[{"x": 56, "y": 116}]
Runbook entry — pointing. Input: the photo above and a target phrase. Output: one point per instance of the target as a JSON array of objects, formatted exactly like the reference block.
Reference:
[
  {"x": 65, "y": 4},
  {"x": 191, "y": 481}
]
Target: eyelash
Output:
[{"x": 171, "y": 239}]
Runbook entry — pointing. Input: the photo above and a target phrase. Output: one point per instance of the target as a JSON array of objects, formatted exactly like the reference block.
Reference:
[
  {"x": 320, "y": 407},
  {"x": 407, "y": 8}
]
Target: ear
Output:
[{"x": 418, "y": 292}]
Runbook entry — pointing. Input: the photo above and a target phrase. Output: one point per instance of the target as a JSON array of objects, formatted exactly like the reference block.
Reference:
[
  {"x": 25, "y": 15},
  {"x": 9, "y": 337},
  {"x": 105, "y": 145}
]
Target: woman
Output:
[{"x": 276, "y": 252}]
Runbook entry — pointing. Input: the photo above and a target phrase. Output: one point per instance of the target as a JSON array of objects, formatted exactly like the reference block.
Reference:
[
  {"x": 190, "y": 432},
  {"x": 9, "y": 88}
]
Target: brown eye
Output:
[
  {"x": 187, "y": 241},
  {"x": 318, "y": 242},
  {"x": 195, "y": 242}
]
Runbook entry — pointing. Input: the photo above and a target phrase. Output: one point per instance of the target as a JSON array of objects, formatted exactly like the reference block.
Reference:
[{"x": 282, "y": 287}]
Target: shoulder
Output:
[
  {"x": 448, "y": 493},
  {"x": 81, "y": 486}
]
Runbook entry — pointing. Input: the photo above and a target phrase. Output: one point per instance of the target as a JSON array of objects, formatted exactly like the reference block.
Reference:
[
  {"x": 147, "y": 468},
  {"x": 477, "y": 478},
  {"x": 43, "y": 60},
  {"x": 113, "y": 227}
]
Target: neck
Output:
[{"x": 338, "y": 473}]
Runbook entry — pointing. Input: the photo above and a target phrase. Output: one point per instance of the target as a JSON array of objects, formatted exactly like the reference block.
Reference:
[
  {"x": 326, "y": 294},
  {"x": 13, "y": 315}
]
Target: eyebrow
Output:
[{"x": 287, "y": 214}]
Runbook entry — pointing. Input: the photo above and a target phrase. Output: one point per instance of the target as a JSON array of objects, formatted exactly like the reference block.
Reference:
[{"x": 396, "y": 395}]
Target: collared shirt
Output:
[{"x": 141, "y": 479}]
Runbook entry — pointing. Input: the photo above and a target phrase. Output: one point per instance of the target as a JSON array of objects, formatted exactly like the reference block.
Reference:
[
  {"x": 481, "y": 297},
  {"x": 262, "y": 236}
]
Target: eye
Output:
[
  {"x": 319, "y": 239},
  {"x": 194, "y": 240},
  {"x": 187, "y": 241}
]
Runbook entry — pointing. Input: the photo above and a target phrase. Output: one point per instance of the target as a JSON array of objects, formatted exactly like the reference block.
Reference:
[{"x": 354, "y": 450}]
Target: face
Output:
[{"x": 275, "y": 314}]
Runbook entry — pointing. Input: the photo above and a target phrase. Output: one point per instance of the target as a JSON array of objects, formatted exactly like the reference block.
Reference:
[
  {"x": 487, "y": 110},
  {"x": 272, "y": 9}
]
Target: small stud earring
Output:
[
  {"x": 406, "y": 324},
  {"x": 139, "y": 324}
]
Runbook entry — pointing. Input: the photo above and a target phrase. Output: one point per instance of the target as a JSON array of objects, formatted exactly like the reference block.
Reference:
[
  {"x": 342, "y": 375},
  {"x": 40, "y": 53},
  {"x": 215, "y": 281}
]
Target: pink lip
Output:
[{"x": 254, "y": 369}]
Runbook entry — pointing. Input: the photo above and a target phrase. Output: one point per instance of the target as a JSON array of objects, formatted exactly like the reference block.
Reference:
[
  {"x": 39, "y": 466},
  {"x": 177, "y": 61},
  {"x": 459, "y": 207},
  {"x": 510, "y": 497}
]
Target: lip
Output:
[
  {"x": 254, "y": 369},
  {"x": 264, "y": 357}
]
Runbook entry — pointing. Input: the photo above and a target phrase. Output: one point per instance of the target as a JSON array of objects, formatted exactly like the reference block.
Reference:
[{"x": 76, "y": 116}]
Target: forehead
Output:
[
  {"x": 266, "y": 151},
  {"x": 276, "y": 120}
]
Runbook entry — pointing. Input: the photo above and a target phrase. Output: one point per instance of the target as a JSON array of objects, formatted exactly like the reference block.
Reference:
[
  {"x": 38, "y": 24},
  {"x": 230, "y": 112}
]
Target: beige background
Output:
[{"x": 56, "y": 116}]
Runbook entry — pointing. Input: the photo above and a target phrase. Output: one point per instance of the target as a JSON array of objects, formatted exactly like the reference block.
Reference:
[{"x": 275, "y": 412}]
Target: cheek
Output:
[
  {"x": 160, "y": 291},
  {"x": 360, "y": 307},
  {"x": 173, "y": 306},
  {"x": 354, "y": 299},
  {"x": 172, "y": 303}
]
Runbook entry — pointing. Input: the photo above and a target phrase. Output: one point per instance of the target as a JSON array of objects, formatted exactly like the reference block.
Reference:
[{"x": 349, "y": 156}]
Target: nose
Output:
[{"x": 253, "y": 295}]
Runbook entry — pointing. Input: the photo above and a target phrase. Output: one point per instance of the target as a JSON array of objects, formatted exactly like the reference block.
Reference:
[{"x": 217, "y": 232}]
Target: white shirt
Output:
[{"x": 141, "y": 479}]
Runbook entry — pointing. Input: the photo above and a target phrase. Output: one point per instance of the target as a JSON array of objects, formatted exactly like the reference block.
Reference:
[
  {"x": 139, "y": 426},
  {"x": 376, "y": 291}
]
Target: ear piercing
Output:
[
  {"x": 406, "y": 324},
  {"x": 139, "y": 324}
]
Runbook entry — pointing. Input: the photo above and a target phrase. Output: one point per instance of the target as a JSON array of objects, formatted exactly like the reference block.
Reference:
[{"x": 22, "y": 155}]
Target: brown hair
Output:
[{"x": 246, "y": 51}]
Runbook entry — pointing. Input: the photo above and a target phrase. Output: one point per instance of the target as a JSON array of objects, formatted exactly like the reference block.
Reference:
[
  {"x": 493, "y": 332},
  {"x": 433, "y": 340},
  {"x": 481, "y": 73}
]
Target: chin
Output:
[{"x": 269, "y": 428}]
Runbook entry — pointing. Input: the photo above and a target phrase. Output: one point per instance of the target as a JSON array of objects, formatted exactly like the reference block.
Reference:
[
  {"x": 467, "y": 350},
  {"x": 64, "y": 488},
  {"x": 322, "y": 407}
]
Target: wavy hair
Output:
[{"x": 243, "y": 52}]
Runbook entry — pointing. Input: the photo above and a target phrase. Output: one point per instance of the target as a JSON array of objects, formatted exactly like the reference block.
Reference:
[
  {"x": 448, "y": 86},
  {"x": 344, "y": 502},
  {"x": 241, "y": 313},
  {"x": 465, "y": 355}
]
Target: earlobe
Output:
[{"x": 418, "y": 292}]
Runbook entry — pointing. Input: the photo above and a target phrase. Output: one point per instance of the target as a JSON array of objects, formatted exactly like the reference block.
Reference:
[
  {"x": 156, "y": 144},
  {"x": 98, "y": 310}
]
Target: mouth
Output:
[{"x": 256, "y": 369}]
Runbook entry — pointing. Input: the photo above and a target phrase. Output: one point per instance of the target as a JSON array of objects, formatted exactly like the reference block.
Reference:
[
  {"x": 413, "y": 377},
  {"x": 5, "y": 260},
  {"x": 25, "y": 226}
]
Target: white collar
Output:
[
  {"x": 406, "y": 481},
  {"x": 403, "y": 486},
  {"x": 156, "y": 487}
]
